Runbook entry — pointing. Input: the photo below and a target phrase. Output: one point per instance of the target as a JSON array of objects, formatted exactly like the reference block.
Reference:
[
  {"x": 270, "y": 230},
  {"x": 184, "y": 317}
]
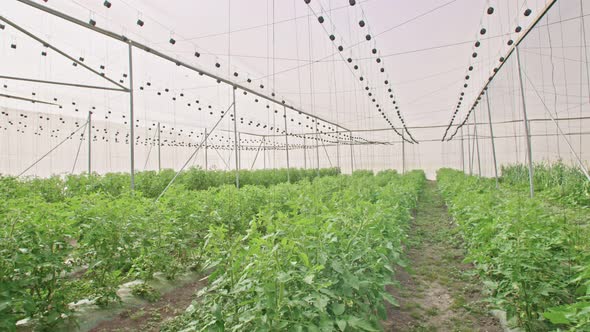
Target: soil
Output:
[
  {"x": 437, "y": 292},
  {"x": 151, "y": 316}
]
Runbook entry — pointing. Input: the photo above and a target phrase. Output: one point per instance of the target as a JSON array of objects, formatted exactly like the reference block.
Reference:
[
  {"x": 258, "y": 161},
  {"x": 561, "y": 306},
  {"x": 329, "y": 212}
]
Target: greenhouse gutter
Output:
[{"x": 166, "y": 57}]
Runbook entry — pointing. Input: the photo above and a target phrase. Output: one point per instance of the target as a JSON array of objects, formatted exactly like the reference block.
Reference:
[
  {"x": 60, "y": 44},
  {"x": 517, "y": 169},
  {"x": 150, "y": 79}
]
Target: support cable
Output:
[
  {"x": 48, "y": 152},
  {"x": 194, "y": 153}
]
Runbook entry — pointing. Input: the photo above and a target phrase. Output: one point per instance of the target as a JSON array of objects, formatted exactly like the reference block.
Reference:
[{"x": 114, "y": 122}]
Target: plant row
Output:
[
  {"x": 320, "y": 262},
  {"x": 53, "y": 252},
  {"x": 86, "y": 246},
  {"x": 557, "y": 182},
  {"x": 149, "y": 183},
  {"x": 534, "y": 259}
]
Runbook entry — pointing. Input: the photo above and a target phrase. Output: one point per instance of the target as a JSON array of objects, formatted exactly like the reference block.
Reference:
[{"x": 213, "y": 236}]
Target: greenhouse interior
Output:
[{"x": 301, "y": 165}]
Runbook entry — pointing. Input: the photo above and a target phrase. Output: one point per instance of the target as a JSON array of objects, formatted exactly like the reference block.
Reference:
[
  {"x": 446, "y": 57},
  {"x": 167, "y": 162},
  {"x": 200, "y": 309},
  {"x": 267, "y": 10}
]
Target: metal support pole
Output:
[
  {"x": 351, "y": 154},
  {"x": 49, "y": 152},
  {"x": 264, "y": 151},
  {"x": 327, "y": 155},
  {"x": 172, "y": 59},
  {"x": 236, "y": 140},
  {"x": 492, "y": 137},
  {"x": 28, "y": 99},
  {"x": 131, "y": 121},
  {"x": 159, "y": 151},
  {"x": 469, "y": 160},
  {"x": 89, "y": 142},
  {"x": 62, "y": 53},
  {"x": 256, "y": 155},
  {"x": 338, "y": 151},
  {"x": 239, "y": 151},
  {"x": 75, "y": 85},
  {"x": 477, "y": 144},
  {"x": 305, "y": 152},
  {"x": 403, "y": 153},
  {"x": 526, "y": 126},
  {"x": 462, "y": 151},
  {"x": 206, "y": 157},
  {"x": 317, "y": 146},
  {"x": 193, "y": 155},
  {"x": 560, "y": 132},
  {"x": 286, "y": 143}
]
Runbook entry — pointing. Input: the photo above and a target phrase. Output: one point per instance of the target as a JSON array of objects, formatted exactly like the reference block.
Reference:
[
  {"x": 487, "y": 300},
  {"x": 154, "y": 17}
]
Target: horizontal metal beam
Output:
[
  {"x": 454, "y": 125},
  {"x": 583, "y": 133},
  {"x": 64, "y": 54},
  {"x": 508, "y": 54},
  {"x": 28, "y": 99},
  {"x": 62, "y": 83},
  {"x": 145, "y": 48},
  {"x": 531, "y": 120},
  {"x": 242, "y": 132}
]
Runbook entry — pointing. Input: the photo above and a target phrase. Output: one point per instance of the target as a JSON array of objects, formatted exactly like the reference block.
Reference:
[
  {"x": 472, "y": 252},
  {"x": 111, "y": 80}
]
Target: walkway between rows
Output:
[{"x": 437, "y": 291}]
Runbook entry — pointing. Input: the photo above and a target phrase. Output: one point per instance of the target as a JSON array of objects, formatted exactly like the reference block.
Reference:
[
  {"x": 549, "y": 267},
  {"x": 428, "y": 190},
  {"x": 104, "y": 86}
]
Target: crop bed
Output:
[
  {"x": 533, "y": 254},
  {"x": 280, "y": 255}
]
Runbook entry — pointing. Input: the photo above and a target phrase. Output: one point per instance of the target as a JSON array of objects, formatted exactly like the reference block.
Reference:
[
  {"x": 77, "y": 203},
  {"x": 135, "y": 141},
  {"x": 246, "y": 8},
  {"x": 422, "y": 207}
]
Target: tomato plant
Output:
[{"x": 530, "y": 255}]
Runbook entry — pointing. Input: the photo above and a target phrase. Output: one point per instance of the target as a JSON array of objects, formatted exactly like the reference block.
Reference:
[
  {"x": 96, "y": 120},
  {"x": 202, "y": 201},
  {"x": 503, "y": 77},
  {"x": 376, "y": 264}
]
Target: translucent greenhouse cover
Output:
[{"x": 349, "y": 79}]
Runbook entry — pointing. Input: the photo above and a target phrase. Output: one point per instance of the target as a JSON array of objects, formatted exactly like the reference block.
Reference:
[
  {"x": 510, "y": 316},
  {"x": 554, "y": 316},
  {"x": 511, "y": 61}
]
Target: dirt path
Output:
[
  {"x": 151, "y": 316},
  {"x": 436, "y": 293}
]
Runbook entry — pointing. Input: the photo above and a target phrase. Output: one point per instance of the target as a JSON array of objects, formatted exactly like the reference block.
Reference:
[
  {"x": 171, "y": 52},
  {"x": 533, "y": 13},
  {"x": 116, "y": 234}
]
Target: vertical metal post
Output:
[
  {"x": 89, "y": 142},
  {"x": 492, "y": 137},
  {"x": 206, "y": 156},
  {"x": 286, "y": 143},
  {"x": 477, "y": 144},
  {"x": 305, "y": 152},
  {"x": 351, "y": 154},
  {"x": 131, "y": 121},
  {"x": 317, "y": 146},
  {"x": 469, "y": 160},
  {"x": 403, "y": 153},
  {"x": 264, "y": 151},
  {"x": 338, "y": 150},
  {"x": 239, "y": 151},
  {"x": 236, "y": 140},
  {"x": 526, "y": 126},
  {"x": 462, "y": 151},
  {"x": 159, "y": 150}
]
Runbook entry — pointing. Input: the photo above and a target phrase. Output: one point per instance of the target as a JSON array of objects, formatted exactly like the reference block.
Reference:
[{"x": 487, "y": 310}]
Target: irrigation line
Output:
[
  {"x": 53, "y": 149},
  {"x": 195, "y": 152}
]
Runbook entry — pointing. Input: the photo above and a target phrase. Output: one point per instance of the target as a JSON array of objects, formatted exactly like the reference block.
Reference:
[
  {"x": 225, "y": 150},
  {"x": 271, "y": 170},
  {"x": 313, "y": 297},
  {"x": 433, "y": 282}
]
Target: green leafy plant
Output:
[
  {"x": 528, "y": 255},
  {"x": 146, "y": 292},
  {"x": 319, "y": 264}
]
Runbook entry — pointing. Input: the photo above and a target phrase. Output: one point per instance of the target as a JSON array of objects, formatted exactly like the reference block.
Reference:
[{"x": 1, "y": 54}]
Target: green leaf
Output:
[
  {"x": 304, "y": 258},
  {"x": 341, "y": 324},
  {"x": 337, "y": 266},
  {"x": 389, "y": 298},
  {"x": 338, "y": 308},
  {"x": 556, "y": 317},
  {"x": 361, "y": 324}
]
